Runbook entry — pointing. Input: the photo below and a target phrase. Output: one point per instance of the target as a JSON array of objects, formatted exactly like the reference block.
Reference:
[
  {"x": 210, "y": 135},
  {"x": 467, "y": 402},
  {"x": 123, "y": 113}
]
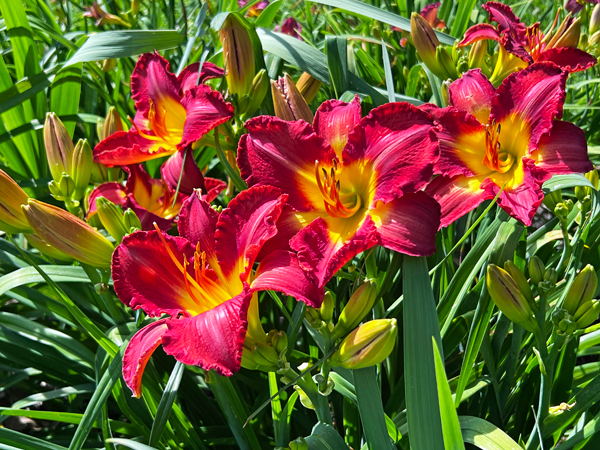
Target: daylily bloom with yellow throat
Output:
[
  {"x": 204, "y": 280},
  {"x": 172, "y": 112},
  {"x": 352, "y": 183},
  {"x": 529, "y": 43},
  {"x": 157, "y": 200},
  {"x": 508, "y": 137}
]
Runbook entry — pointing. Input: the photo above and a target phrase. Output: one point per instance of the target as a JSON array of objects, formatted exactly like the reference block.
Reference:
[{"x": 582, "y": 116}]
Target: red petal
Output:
[
  {"x": 214, "y": 187},
  {"x": 188, "y": 78},
  {"x": 480, "y": 32},
  {"x": 145, "y": 189},
  {"x": 146, "y": 277},
  {"x": 191, "y": 177},
  {"x": 138, "y": 352},
  {"x": 128, "y": 147},
  {"x": 458, "y": 195},
  {"x": 280, "y": 271},
  {"x": 247, "y": 223},
  {"x": 563, "y": 151},
  {"x": 205, "y": 109},
  {"x": 510, "y": 27},
  {"x": 531, "y": 99},
  {"x": 397, "y": 139},
  {"x": 288, "y": 225},
  {"x": 334, "y": 120},
  {"x": 113, "y": 191},
  {"x": 473, "y": 93},
  {"x": 569, "y": 59},
  {"x": 213, "y": 339},
  {"x": 198, "y": 224},
  {"x": 408, "y": 224},
  {"x": 462, "y": 144},
  {"x": 322, "y": 255},
  {"x": 151, "y": 81},
  {"x": 283, "y": 154},
  {"x": 147, "y": 218}
]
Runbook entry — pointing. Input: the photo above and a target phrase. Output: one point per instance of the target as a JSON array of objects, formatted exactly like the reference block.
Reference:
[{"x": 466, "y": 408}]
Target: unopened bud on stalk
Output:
[
  {"x": 314, "y": 318},
  {"x": 46, "y": 249},
  {"x": 265, "y": 355},
  {"x": 259, "y": 88},
  {"x": 111, "y": 124},
  {"x": 425, "y": 41},
  {"x": 581, "y": 291},
  {"x": 508, "y": 297},
  {"x": 589, "y": 315},
  {"x": 326, "y": 309},
  {"x": 567, "y": 35},
  {"x": 561, "y": 210},
  {"x": 521, "y": 281},
  {"x": 278, "y": 340},
  {"x": 108, "y": 65},
  {"x": 131, "y": 221},
  {"x": 288, "y": 102},
  {"x": 59, "y": 147},
  {"x": 550, "y": 276},
  {"x": 111, "y": 217},
  {"x": 360, "y": 303},
  {"x": 238, "y": 54},
  {"x": 552, "y": 199},
  {"x": 537, "y": 269},
  {"x": 12, "y": 197},
  {"x": 68, "y": 233},
  {"x": 477, "y": 55},
  {"x": 83, "y": 162},
  {"x": 582, "y": 191},
  {"x": 367, "y": 345},
  {"x": 595, "y": 19},
  {"x": 445, "y": 66},
  {"x": 308, "y": 86}
]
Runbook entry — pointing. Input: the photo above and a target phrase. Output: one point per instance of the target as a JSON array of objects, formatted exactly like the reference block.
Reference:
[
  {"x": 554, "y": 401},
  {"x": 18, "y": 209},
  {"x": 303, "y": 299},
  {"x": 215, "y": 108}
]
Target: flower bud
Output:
[
  {"x": 46, "y": 249},
  {"x": 367, "y": 345},
  {"x": 308, "y": 86},
  {"x": 288, "y": 102},
  {"x": 360, "y": 303},
  {"x": 83, "y": 162},
  {"x": 278, "y": 340},
  {"x": 12, "y": 197},
  {"x": 568, "y": 325},
  {"x": 552, "y": 199},
  {"x": 108, "y": 64},
  {"x": 582, "y": 191},
  {"x": 595, "y": 19},
  {"x": 425, "y": 41},
  {"x": 550, "y": 276},
  {"x": 111, "y": 217},
  {"x": 258, "y": 91},
  {"x": 536, "y": 270},
  {"x": 326, "y": 309},
  {"x": 68, "y": 233},
  {"x": 131, "y": 221},
  {"x": 112, "y": 123},
  {"x": 521, "y": 281},
  {"x": 238, "y": 54},
  {"x": 59, "y": 147},
  {"x": 590, "y": 315},
  {"x": 298, "y": 444},
  {"x": 265, "y": 355},
  {"x": 314, "y": 318},
  {"x": 477, "y": 55},
  {"x": 508, "y": 297},
  {"x": 581, "y": 291},
  {"x": 567, "y": 35},
  {"x": 561, "y": 210},
  {"x": 445, "y": 65}
]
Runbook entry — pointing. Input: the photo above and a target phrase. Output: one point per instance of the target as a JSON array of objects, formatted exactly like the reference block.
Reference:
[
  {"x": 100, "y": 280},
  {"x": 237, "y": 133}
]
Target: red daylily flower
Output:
[
  {"x": 529, "y": 43},
  {"x": 352, "y": 183},
  {"x": 172, "y": 112},
  {"x": 254, "y": 10},
  {"x": 291, "y": 27},
  {"x": 152, "y": 199},
  {"x": 204, "y": 280},
  {"x": 430, "y": 14},
  {"x": 510, "y": 136}
]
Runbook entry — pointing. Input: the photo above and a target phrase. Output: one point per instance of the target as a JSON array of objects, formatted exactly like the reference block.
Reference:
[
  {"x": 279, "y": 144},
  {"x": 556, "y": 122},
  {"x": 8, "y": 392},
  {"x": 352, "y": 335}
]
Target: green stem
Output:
[
  {"x": 567, "y": 249},
  {"x": 319, "y": 401}
]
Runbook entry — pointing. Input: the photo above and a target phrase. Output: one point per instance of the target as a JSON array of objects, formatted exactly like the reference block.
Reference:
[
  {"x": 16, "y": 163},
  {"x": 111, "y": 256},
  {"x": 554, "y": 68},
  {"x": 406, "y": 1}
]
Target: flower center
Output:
[
  {"x": 496, "y": 158},
  {"x": 535, "y": 40},
  {"x": 336, "y": 204},
  {"x": 166, "y": 122}
]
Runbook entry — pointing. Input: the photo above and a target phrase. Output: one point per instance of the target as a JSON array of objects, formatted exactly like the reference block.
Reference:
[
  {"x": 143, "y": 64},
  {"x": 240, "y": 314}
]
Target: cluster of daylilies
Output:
[{"x": 313, "y": 191}]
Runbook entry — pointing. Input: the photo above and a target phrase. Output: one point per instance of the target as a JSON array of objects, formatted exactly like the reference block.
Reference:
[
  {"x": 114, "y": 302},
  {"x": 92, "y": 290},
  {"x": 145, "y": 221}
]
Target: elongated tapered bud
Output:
[
  {"x": 131, "y": 221},
  {"x": 83, "y": 163},
  {"x": 12, "y": 197},
  {"x": 445, "y": 66},
  {"x": 360, "y": 303},
  {"x": 308, "y": 86},
  {"x": 590, "y": 315},
  {"x": 582, "y": 191},
  {"x": 424, "y": 39},
  {"x": 595, "y": 19},
  {"x": 59, "y": 147},
  {"x": 68, "y": 233},
  {"x": 367, "y": 345},
  {"x": 477, "y": 55},
  {"x": 567, "y": 35},
  {"x": 326, "y": 309},
  {"x": 288, "y": 102},
  {"x": 111, "y": 217},
  {"x": 537, "y": 268},
  {"x": 582, "y": 290},
  {"x": 112, "y": 123},
  {"x": 46, "y": 249},
  {"x": 238, "y": 54},
  {"x": 508, "y": 297},
  {"x": 552, "y": 199},
  {"x": 278, "y": 340},
  {"x": 521, "y": 281},
  {"x": 258, "y": 91}
]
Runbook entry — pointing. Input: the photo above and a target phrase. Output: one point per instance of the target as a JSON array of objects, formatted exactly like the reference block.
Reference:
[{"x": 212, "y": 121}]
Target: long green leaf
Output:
[
  {"x": 166, "y": 403},
  {"x": 22, "y": 441},
  {"x": 324, "y": 437},
  {"x": 27, "y": 275},
  {"x": 65, "y": 92},
  {"x": 484, "y": 435}
]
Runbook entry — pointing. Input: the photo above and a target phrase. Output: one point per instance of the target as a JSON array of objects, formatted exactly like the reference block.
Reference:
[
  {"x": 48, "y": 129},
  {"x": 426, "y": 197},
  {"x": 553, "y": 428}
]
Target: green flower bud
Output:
[
  {"x": 508, "y": 297},
  {"x": 521, "y": 281},
  {"x": 326, "y": 309},
  {"x": 111, "y": 217},
  {"x": 477, "y": 55},
  {"x": 581, "y": 291},
  {"x": 553, "y": 199},
  {"x": 367, "y": 345},
  {"x": 265, "y": 355},
  {"x": 595, "y": 19},
  {"x": 551, "y": 276},
  {"x": 83, "y": 162},
  {"x": 537, "y": 269},
  {"x": 238, "y": 54},
  {"x": 258, "y": 91},
  {"x": 445, "y": 64},
  {"x": 561, "y": 210},
  {"x": 111, "y": 124},
  {"x": 314, "y": 318},
  {"x": 59, "y": 147},
  {"x": 360, "y": 303},
  {"x": 590, "y": 315},
  {"x": 568, "y": 325},
  {"x": 278, "y": 340},
  {"x": 308, "y": 86},
  {"x": 131, "y": 221},
  {"x": 289, "y": 104}
]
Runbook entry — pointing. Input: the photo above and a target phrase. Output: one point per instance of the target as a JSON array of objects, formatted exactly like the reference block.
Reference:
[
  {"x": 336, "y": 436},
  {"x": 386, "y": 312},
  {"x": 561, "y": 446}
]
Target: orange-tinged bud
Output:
[
  {"x": 359, "y": 305},
  {"x": 595, "y": 19},
  {"x": 508, "y": 297},
  {"x": 69, "y": 234},
  {"x": 367, "y": 345},
  {"x": 581, "y": 291},
  {"x": 288, "y": 102},
  {"x": 308, "y": 86},
  {"x": 46, "y": 249},
  {"x": 520, "y": 279},
  {"x": 567, "y": 35},
  {"x": 12, "y": 197},
  {"x": 112, "y": 123},
  {"x": 59, "y": 147},
  {"x": 425, "y": 42},
  {"x": 238, "y": 54}
]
